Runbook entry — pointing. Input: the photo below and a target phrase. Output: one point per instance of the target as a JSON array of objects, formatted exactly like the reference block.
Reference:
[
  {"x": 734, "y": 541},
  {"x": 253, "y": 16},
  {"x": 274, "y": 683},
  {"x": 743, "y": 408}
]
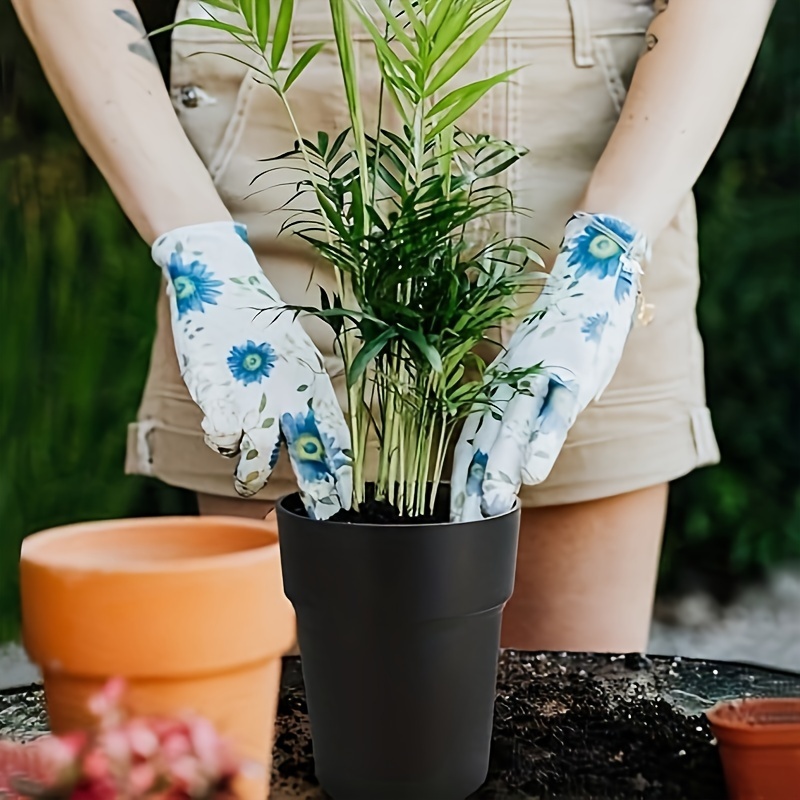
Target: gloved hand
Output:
[
  {"x": 251, "y": 367},
  {"x": 575, "y": 331}
]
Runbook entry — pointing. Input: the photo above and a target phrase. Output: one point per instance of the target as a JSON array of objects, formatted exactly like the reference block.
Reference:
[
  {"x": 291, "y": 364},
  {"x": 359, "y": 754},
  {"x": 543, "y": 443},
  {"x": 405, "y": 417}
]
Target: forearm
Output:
[
  {"x": 102, "y": 71},
  {"x": 683, "y": 92}
]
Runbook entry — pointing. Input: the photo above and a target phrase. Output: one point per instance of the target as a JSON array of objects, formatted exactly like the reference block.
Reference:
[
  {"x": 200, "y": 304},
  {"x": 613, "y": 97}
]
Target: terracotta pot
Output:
[
  {"x": 189, "y": 610},
  {"x": 399, "y": 628},
  {"x": 759, "y": 742}
]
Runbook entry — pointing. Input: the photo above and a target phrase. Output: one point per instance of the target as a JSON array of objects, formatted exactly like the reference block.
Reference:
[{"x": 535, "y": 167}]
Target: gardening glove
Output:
[
  {"x": 250, "y": 366},
  {"x": 575, "y": 332}
]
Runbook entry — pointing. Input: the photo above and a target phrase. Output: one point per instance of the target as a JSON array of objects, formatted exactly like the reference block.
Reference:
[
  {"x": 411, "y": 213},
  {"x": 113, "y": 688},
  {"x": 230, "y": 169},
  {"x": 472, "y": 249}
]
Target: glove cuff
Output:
[
  {"x": 635, "y": 246},
  {"x": 206, "y": 238}
]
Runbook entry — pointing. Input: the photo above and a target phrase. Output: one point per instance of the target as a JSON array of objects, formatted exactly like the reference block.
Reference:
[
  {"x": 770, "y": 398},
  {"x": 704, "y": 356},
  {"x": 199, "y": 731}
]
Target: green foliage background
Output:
[{"x": 77, "y": 292}]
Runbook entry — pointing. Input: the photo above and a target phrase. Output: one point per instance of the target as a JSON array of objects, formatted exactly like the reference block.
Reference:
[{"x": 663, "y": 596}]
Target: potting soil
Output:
[{"x": 567, "y": 727}]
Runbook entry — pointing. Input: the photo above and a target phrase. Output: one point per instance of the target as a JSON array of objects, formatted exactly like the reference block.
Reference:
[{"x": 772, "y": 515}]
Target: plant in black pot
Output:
[{"x": 398, "y": 607}]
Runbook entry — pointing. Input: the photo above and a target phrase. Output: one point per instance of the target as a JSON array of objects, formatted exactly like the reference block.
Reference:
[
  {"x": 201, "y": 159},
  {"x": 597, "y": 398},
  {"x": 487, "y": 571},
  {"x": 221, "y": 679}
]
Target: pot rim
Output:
[
  {"x": 281, "y": 507},
  {"x": 35, "y": 547},
  {"x": 720, "y": 715}
]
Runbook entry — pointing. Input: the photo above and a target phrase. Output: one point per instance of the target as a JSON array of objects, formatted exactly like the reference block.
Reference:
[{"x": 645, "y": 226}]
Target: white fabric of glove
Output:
[
  {"x": 576, "y": 330},
  {"x": 250, "y": 366}
]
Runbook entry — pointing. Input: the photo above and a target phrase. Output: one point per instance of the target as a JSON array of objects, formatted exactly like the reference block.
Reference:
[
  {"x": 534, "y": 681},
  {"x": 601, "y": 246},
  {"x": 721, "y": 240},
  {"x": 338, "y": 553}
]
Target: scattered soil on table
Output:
[
  {"x": 572, "y": 737},
  {"x": 578, "y": 727}
]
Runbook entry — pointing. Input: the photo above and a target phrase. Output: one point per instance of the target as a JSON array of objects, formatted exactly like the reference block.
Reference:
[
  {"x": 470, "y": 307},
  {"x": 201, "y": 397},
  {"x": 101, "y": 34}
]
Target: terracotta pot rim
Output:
[
  {"x": 720, "y": 715},
  {"x": 394, "y": 527},
  {"x": 35, "y": 548}
]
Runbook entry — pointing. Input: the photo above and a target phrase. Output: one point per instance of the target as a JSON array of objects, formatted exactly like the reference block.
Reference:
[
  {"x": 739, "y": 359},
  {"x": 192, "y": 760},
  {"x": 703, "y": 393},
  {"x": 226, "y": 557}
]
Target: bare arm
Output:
[
  {"x": 103, "y": 72},
  {"x": 682, "y": 95}
]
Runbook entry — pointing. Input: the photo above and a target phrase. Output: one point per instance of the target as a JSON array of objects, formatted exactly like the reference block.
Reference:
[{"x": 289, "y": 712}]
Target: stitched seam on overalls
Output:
[
  {"x": 611, "y": 73},
  {"x": 233, "y": 133},
  {"x": 582, "y": 32}
]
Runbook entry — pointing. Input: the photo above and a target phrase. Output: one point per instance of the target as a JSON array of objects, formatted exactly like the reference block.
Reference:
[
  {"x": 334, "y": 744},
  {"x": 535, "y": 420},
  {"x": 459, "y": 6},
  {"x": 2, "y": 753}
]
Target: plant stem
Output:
[{"x": 355, "y": 393}]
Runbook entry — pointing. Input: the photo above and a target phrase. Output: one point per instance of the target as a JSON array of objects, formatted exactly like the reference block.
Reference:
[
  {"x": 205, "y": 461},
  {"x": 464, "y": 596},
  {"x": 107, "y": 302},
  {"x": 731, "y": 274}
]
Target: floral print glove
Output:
[
  {"x": 575, "y": 332},
  {"x": 251, "y": 367}
]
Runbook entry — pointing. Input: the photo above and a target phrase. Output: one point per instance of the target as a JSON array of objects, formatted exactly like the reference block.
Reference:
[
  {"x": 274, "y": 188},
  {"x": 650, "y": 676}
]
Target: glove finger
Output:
[
  {"x": 260, "y": 451},
  {"x": 335, "y": 437},
  {"x": 315, "y": 477},
  {"x": 482, "y": 445},
  {"x": 462, "y": 460},
  {"x": 504, "y": 467},
  {"x": 221, "y": 423},
  {"x": 556, "y": 416}
]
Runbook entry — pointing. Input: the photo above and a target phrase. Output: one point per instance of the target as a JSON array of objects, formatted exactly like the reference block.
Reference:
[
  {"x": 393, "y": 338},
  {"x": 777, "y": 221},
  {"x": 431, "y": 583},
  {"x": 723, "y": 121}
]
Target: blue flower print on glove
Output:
[
  {"x": 593, "y": 327},
  {"x": 251, "y": 362},
  {"x": 477, "y": 469},
  {"x": 194, "y": 284},
  {"x": 598, "y": 250},
  {"x": 574, "y": 333},
  {"x": 315, "y": 456},
  {"x": 252, "y": 368}
]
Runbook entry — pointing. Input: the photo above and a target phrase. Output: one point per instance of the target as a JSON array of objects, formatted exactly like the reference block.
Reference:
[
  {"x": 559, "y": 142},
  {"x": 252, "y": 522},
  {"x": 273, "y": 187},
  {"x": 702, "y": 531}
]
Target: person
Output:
[{"x": 620, "y": 104}]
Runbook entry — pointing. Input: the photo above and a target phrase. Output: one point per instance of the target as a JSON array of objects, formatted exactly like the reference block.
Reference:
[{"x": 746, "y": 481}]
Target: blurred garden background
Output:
[{"x": 78, "y": 293}]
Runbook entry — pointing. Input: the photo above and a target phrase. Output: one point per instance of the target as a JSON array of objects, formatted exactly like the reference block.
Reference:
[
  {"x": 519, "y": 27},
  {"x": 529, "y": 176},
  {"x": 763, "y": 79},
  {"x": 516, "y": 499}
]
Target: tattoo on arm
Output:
[
  {"x": 651, "y": 40},
  {"x": 141, "y": 48}
]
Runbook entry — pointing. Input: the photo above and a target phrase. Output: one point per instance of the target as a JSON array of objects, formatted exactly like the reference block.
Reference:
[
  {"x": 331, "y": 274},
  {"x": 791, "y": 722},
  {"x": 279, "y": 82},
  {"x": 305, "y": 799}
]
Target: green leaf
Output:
[
  {"x": 222, "y": 4},
  {"x": 420, "y": 29},
  {"x": 450, "y": 29},
  {"x": 466, "y": 50},
  {"x": 368, "y": 352},
  {"x": 441, "y": 10},
  {"x": 425, "y": 347},
  {"x": 251, "y": 455},
  {"x": 263, "y": 404},
  {"x": 251, "y": 476},
  {"x": 268, "y": 422},
  {"x": 461, "y": 100},
  {"x": 396, "y": 69},
  {"x": 262, "y": 13},
  {"x": 324, "y": 300},
  {"x": 336, "y": 147},
  {"x": 397, "y": 27},
  {"x": 207, "y": 23},
  {"x": 280, "y": 35},
  {"x": 301, "y": 64},
  {"x": 497, "y": 169},
  {"x": 248, "y": 9},
  {"x": 302, "y": 387}
]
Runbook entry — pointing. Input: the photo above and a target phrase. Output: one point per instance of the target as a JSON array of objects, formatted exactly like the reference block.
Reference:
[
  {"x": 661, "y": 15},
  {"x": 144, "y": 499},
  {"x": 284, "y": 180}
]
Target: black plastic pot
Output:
[{"x": 399, "y": 631}]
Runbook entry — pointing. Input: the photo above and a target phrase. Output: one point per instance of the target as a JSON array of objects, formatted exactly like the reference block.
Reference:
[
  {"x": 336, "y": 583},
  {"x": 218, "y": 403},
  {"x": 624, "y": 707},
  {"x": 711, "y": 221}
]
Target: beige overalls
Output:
[{"x": 650, "y": 426}]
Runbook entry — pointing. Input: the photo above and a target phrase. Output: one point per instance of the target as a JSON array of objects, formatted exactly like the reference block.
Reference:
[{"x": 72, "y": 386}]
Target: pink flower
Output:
[
  {"x": 96, "y": 765},
  {"x": 116, "y": 746},
  {"x": 106, "y": 704},
  {"x": 142, "y": 779},
  {"x": 95, "y": 790},
  {"x": 143, "y": 758},
  {"x": 44, "y": 762},
  {"x": 214, "y": 753},
  {"x": 142, "y": 739},
  {"x": 175, "y": 745}
]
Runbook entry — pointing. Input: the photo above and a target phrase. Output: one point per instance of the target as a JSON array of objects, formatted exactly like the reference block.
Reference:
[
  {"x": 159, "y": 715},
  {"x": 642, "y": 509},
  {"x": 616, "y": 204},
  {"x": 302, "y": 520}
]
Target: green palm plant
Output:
[{"x": 408, "y": 220}]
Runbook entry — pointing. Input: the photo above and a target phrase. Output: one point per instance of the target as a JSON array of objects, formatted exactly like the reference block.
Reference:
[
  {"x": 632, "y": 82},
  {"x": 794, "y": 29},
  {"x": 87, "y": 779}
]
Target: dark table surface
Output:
[{"x": 567, "y": 726}]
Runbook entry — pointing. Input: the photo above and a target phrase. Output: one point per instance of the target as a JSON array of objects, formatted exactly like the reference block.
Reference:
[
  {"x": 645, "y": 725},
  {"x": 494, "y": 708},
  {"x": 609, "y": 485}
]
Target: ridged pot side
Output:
[
  {"x": 189, "y": 610},
  {"x": 399, "y": 630}
]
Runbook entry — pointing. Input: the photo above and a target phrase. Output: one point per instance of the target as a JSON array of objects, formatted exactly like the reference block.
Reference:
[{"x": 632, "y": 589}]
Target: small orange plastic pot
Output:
[
  {"x": 189, "y": 610},
  {"x": 759, "y": 743}
]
